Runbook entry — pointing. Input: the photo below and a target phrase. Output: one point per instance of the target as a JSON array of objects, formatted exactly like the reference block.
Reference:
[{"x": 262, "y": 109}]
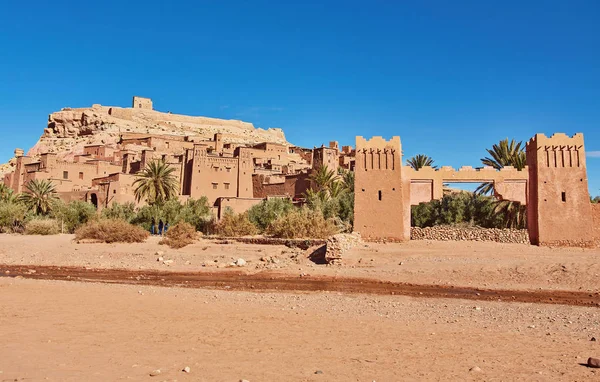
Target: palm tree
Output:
[
  {"x": 419, "y": 161},
  {"x": 336, "y": 189},
  {"x": 6, "y": 193},
  {"x": 503, "y": 154},
  {"x": 514, "y": 213},
  {"x": 156, "y": 183},
  {"x": 348, "y": 180},
  {"x": 322, "y": 178},
  {"x": 39, "y": 196}
]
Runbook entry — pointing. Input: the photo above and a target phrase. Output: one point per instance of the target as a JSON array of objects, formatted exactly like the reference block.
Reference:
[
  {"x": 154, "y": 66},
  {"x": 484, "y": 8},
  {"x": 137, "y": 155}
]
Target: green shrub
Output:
[
  {"x": 12, "y": 216},
  {"x": 125, "y": 211},
  {"x": 303, "y": 223},
  {"x": 180, "y": 235},
  {"x": 465, "y": 208},
  {"x": 42, "y": 227},
  {"x": 267, "y": 211},
  {"x": 72, "y": 215},
  {"x": 196, "y": 212},
  {"x": 233, "y": 225},
  {"x": 111, "y": 231}
]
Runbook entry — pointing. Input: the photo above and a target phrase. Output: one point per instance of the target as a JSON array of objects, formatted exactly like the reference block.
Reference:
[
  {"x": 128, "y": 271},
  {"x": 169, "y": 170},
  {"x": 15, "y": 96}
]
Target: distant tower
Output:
[
  {"x": 382, "y": 193},
  {"x": 142, "y": 103},
  {"x": 326, "y": 156},
  {"x": 559, "y": 209}
]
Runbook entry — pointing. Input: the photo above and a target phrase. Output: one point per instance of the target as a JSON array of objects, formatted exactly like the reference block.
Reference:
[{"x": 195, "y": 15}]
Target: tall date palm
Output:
[
  {"x": 419, "y": 161},
  {"x": 40, "y": 195},
  {"x": 156, "y": 183}
]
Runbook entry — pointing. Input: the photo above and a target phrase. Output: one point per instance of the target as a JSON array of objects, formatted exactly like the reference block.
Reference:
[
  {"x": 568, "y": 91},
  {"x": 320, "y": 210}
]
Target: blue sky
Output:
[{"x": 450, "y": 77}]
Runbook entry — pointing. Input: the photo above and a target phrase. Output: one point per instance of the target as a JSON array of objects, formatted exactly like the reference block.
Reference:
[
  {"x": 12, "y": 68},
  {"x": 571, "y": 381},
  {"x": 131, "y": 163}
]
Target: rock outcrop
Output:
[{"x": 69, "y": 130}]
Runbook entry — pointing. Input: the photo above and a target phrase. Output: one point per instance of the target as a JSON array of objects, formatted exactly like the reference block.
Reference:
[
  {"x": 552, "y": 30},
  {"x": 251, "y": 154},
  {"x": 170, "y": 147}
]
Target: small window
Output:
[
  {"x": 140, "y": 106},
  {"x": 65, "y": 175},
  {"x": 80, "y": 175},
  {"x": 216, "y": 168},
  {"x": 215, "y": 186},
  {"x": 379, "y": 194},
  {"x": 564, "y": 196},
  {"x": 114, "y": 191},
  {"x": 227, "y": 186},
  {"x": 228, "y": 169}
]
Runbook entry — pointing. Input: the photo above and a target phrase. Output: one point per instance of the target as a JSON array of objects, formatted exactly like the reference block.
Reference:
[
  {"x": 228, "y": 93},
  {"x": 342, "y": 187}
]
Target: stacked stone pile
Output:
[
  {"x": 446, "y": 233},
  {"x": 340, "y": 243}
]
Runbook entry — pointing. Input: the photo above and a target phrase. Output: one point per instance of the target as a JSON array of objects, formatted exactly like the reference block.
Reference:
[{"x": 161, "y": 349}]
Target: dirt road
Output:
[
  {"x": 268, "y": 281},
  {"x": 74, "y": 331}
]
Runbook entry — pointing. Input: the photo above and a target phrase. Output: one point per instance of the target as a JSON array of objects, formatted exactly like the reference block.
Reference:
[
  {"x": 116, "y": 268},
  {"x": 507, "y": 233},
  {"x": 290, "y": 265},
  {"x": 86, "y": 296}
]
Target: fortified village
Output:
[{"x": 93, "y": 154}]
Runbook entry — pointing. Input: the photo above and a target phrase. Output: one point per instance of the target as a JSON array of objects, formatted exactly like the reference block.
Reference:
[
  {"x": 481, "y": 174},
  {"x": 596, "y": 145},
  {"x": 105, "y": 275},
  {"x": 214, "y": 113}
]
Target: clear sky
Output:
[{"x": 450, "y": 77}]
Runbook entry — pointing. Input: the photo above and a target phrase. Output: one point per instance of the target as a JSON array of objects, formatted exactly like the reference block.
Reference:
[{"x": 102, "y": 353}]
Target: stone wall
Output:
[{"x": 446, "y": 233}]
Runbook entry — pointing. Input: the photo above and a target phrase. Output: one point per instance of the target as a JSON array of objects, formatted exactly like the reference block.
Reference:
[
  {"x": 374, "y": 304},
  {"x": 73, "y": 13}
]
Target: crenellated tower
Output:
[
  {"x": 381, "y": 192},
  {"x": 559, "y": 209}
]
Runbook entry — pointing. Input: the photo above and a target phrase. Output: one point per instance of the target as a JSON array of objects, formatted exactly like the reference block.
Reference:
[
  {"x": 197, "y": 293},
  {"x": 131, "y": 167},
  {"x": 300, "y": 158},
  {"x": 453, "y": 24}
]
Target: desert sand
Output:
[{"x": 75, "y": 331}]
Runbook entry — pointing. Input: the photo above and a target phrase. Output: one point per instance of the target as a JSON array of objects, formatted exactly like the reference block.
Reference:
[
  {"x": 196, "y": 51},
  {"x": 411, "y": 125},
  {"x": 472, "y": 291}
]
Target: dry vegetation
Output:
[
  {"x": 180, "y": 235},
  {"x": 42, "y": 227},
  {"x": 232, "y": 225},
  {"x": 302, "y": 223},
  {"x": 111, "y": 231}
]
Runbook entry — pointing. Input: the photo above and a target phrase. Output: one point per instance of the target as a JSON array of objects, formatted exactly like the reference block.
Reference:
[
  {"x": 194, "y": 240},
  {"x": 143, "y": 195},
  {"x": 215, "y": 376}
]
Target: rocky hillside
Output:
[{"x": 69, "y": 130}]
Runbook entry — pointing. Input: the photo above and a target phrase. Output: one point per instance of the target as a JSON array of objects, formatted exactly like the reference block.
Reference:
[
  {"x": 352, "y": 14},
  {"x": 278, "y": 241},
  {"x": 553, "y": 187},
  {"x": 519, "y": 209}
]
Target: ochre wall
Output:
[
  {"x": 238, "y": 205},
  {"x": 559, "y": 209},
  {"x": 288, "y": 185},
  {"x": 509, "y": 183},
  {"x": 382, "y": 191},
  {"x": 142, "y": 103}
]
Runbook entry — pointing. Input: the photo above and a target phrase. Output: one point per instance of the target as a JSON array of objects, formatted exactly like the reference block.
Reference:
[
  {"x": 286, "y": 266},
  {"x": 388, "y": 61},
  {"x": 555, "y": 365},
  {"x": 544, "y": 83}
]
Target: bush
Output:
[
  {"x": 111, "y": 231},
  {"x": 267, "y": 211},
  {"x": 232, "y": 225},
  {"x": 73, "y": 214},
  {"x": 12, "y": 216},
  {"x": 180, "y": 235},
  {"x": 125, "y": 211},
  {"x": 465, "y": 209},
  {"x": 196, "y": 212},
  {"x": 303, "y": 223},
  {"x": 42, "y": 227}
]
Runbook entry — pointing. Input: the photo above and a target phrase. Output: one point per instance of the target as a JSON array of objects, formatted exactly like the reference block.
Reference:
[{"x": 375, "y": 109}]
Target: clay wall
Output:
[
  {"x": 117, "y": 188},
  {"x": 142, "y": 103},
  {"x": 213, "y": 176},
  {"x": 305, "y": 154},
  {"x": 509, "y": 183},
  {"x": 382, "y": 191},
  {"x": 325, "y": 156},
  {"x": 559, "y": 210},
  {"x": 121, "y": 113},
  {"x": 237, "y": 205},
  {"x": 595, "y": 207},
  {"x": 292, "y": 186},
  {"x": 245, "y": 171}
]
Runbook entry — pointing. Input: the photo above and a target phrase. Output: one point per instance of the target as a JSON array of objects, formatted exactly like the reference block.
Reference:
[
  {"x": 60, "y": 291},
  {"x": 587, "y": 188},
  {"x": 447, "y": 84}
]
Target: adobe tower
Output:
[
  {"x": 559, "y": 209},
  {"x": 381, "y": 193}
]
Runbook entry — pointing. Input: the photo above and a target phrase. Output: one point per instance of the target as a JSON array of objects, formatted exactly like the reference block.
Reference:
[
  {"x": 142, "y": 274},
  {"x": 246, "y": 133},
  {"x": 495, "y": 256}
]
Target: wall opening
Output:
[
  {"x": 94, "y": 200},
  {"x": 563, "y": 196},
  {"x": 380, "y": 195}
]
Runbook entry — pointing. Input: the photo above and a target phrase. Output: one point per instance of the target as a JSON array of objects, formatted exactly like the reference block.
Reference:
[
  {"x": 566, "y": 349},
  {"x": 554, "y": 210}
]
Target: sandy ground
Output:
[
  {"x": 472, "y": 264},
  {"x": 70, "y": 331}
]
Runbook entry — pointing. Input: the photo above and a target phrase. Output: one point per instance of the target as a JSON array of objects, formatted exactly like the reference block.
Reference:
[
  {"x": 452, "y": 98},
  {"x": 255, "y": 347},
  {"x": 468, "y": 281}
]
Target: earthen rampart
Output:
[{"x": 427, "y": 183}]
